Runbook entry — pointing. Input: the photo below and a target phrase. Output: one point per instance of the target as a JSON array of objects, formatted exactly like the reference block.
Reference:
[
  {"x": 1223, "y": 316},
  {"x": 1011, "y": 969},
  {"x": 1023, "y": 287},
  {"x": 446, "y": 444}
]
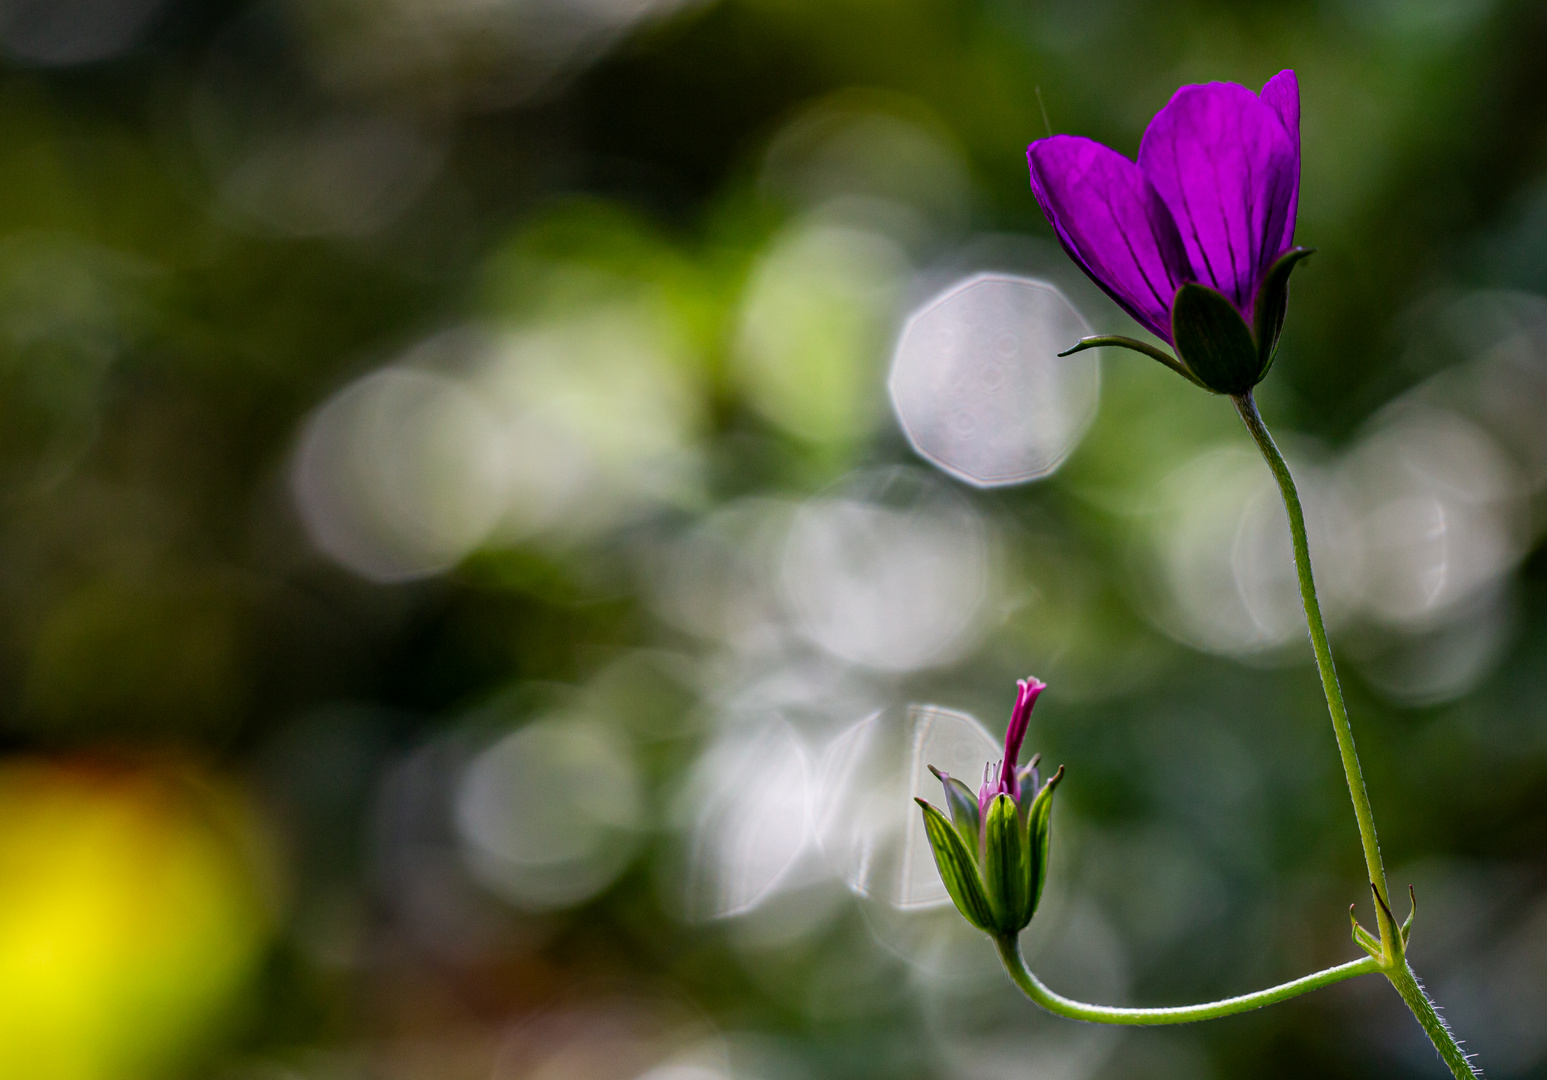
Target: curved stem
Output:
[
  {"x": 1247, "y": 407},
  {"x": 1033, "y": 987},
  {"x": 1393, "y": 962}
]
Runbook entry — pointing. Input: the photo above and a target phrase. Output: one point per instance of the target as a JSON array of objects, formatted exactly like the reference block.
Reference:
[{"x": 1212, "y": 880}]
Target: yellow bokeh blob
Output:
[{"x": 130, "y": 918}]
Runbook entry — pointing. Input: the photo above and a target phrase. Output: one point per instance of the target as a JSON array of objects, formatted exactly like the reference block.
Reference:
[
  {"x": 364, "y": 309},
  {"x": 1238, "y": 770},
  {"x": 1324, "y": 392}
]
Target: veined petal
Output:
[
  {"x": 1224, "y": 164},
  {"x": 1282, "y": 95},
  {"x": 1112, "y": 223}
]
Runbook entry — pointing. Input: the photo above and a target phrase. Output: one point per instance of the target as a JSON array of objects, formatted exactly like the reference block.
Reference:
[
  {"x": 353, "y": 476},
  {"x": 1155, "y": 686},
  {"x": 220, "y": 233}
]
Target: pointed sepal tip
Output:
[
  {"x": 1271, "y": 304},
  {"x": 958, "y": 869}
]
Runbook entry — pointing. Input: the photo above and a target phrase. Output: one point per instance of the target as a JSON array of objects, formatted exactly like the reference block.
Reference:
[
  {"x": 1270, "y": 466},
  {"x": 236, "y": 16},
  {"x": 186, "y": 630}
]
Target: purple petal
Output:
[
  {"x": 1026, "y": 693},
  {"x": 1112, "y": 223},
  {"x": 1224, "y": 164},
  {"x": 1282, "y": 95},
  {"x": 992, "y": 788}
]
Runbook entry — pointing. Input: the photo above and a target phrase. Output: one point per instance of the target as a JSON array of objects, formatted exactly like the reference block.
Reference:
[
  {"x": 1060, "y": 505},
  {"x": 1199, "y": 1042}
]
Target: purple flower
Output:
[{"x": 1205, "y": 219}]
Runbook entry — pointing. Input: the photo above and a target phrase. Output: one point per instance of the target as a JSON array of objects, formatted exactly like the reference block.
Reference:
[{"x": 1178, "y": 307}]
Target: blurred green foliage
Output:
[{"x": 669, "y": 247}]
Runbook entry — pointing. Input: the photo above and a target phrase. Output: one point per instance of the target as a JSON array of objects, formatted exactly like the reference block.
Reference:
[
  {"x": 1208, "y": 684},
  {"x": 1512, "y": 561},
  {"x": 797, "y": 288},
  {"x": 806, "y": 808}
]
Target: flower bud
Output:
[{"x": 992, "y": 851}]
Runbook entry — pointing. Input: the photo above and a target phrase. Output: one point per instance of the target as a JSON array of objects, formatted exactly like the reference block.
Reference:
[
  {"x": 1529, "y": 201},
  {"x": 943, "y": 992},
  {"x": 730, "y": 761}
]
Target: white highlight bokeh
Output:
[
  {"x": 890, "y": 571},
  {"x": 601, "y": 419},
  {"x": 1218, "y": 540},
  {"x": 1415, "y": 531},
  {"x": 1444, "y": 514},
  {"x": 550, "y": 815},
  {"x": 683, "y": 1071},
  {"x": 401, "y": 474},
  {"x": 1439, "y": 660},
  {"x": 978, "y": 386},
  {"x": 750, "y": 799},
  {"x": 555, "y": 433},
  {"x": 769, "y": 814},
  {"x": 870, "y": 830},
  {"x": 715, "y": 580}
]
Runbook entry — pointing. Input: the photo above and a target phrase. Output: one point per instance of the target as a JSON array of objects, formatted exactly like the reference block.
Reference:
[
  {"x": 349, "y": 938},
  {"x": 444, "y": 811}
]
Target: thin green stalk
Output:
[
  {"x": 1033, "y": 987},
  {"x": 1247, "y": 407},
  {"x": 1392, "y": 946}
]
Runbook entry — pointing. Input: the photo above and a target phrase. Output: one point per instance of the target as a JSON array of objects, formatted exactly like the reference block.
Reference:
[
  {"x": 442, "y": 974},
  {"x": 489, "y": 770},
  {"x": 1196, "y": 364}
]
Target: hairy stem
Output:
[
  {"x": 1033, "y": 987},
  {"x": 1393, "y": 963},
  {"x": 1433, "y": 1025}
]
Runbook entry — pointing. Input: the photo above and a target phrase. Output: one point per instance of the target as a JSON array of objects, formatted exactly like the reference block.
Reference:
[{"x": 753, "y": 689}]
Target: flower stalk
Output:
[
  {"x": 1033, "y": 987},
  {"x": 1374, "y": 866},
  {"x": 1389, "y": 949}
]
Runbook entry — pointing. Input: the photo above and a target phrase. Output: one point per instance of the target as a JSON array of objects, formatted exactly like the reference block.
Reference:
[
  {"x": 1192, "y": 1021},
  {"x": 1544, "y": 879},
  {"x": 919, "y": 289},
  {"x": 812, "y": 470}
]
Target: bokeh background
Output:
[{"x": 500, "y": 500}]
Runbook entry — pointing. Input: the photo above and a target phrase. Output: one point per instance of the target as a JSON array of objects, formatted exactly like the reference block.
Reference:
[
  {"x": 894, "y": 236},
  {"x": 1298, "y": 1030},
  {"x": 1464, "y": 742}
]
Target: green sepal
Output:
[
  {"x": 958, "y": 869},
  {"x": 1390, "y": 931},
  {"x": 1117, "y": 341},
  {"x": 1363, "y": 938},
  {"x": 1039, "y": 829},
  {"x": 1271, "y": 303},
  {"x": 963, "y": 805},
  {"x": 1213, "y": 340},
  {"x": 1007, "y": 866}
]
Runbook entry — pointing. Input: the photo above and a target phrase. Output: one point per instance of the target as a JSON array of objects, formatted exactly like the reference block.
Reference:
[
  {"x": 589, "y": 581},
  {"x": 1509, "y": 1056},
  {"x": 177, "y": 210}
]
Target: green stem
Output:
[
  {"x": 1033, "y": 987},
  {"x": 1376, "y": 869},
  {"x": 1393, "y": 962},
  {"x": 1438, "y": 1031}
]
